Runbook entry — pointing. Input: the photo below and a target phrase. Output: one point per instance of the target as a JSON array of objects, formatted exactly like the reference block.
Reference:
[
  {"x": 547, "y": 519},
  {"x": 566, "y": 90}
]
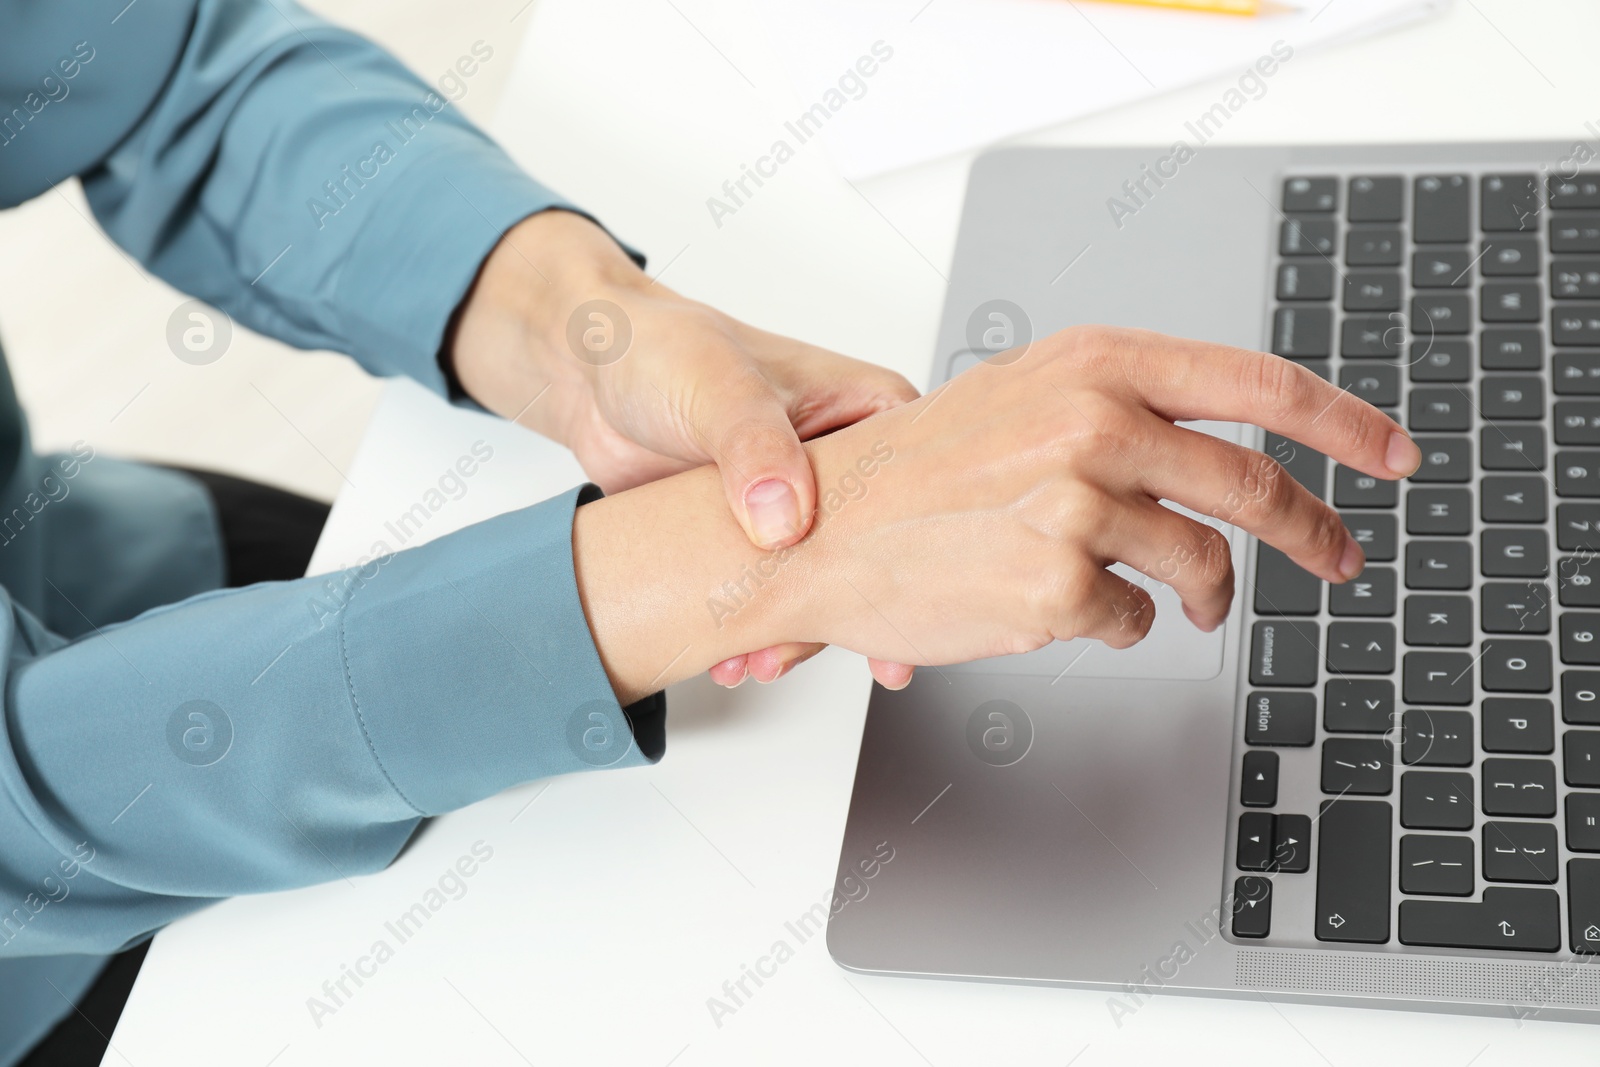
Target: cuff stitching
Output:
[{"x": 350, "y": 687}]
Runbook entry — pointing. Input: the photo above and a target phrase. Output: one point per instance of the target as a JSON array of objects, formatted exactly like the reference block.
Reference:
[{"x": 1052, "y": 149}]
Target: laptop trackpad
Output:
[{"x": 1174, "y": 649}]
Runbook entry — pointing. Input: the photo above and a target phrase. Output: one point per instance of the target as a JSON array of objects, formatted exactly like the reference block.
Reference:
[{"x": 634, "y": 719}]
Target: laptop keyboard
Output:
[{"x": 1436, "y": 721}]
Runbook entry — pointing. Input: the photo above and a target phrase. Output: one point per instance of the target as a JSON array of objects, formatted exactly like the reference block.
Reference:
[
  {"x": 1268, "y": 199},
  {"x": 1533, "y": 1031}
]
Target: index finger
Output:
[{"x": 1183, "y": 379}]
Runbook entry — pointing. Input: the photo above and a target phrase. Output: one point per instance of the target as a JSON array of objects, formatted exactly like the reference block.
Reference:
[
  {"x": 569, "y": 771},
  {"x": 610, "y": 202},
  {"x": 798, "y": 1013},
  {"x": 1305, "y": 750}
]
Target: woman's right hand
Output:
[
  {"x": 996, "y": 503},
  {"x": 980, "y": 519}
]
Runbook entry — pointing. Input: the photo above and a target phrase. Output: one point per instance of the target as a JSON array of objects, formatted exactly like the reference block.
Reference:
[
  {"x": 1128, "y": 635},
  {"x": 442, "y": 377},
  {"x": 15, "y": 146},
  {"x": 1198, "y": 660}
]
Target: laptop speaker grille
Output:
[{"x": 1570, "y": 985}]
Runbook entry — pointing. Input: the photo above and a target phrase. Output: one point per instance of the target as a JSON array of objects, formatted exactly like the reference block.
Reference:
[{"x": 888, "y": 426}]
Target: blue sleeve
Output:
[
  {"x": 249, "y": 153},
  {"x": 291, "y": 733}
]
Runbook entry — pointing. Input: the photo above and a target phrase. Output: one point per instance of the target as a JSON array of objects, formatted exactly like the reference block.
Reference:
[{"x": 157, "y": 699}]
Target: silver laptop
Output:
[{"x": 1385, "y": 794}]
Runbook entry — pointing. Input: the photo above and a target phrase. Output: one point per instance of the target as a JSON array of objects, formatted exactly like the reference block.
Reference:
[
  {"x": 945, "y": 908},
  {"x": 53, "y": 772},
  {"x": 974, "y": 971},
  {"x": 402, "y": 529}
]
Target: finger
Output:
[
  {"x": 1191, "y": 557},
  {"x": 770, "y": 664},
  {"x": 765, "y": 473},
  {"x": 824, "y": 390},
  {"x": 1107, "y": 608},
  {"x": 1183, "y": 379},
  {"x": 1252, "y": 491},
  {"x": 730, "y": 672},
  {"x": 890, "y": 675}
]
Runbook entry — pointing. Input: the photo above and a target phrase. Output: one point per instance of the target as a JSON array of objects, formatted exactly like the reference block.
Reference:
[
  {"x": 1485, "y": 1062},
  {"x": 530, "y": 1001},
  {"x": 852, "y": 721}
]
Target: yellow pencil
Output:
[{"x": 1224, "y": 7}]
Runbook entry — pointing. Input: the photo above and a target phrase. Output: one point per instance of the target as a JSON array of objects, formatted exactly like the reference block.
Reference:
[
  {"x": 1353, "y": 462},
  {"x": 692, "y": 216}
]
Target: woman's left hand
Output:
[{"x": 564, "y": 334}]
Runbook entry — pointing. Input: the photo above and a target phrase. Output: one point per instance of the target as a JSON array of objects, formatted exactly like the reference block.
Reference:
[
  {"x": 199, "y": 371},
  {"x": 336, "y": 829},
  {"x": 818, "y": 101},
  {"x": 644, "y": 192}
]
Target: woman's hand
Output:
[
  {"x": 563, "y": 333},
  {"x": 980, "y": 520}
]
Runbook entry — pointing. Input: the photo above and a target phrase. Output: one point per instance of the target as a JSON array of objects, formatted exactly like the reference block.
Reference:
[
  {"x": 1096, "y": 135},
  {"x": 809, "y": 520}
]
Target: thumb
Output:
[{"x": 765, "y": 473}]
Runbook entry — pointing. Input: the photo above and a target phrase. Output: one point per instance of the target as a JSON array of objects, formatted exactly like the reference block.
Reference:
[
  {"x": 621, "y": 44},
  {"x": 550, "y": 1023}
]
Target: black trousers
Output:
[{"x": 267, "y": 536}]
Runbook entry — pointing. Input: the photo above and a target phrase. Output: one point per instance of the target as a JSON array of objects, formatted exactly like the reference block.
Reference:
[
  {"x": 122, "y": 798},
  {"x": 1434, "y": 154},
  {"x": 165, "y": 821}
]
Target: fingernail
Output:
[
  {"x": 774, "y": 511},
  {"x": 1404, "y": 457},
  {"x": 1353, "y": 560}
]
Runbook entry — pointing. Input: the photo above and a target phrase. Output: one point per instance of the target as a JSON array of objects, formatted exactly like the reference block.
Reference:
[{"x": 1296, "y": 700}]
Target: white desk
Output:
[{"x": 616, "y": 903}]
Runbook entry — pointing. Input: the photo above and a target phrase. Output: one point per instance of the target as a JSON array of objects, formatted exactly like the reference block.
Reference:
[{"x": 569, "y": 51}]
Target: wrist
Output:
[{"x": 510, "y": 339}]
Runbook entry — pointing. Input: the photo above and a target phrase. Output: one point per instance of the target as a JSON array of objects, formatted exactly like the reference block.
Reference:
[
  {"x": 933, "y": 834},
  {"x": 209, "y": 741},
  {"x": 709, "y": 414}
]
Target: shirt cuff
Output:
[{"x": 471, "y": 667}]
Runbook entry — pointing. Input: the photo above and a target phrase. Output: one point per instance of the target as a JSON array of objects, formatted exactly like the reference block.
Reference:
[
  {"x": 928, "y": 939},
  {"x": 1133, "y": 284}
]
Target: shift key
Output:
[
  {"x": 1353, "y": 872},
  {"x": 1284, "y": 652}
]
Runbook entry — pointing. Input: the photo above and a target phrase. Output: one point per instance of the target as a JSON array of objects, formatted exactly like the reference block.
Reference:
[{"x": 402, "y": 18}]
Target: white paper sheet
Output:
[{"x": 966, "y": 73}]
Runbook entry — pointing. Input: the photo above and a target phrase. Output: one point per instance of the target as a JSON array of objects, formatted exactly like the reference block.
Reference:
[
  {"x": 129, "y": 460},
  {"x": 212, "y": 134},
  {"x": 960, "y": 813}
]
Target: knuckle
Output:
[
  {"x": 760, "y": 442},
  {"x": 1275, "y": 387},
  {"x": 1212, "y": 564},
  {"x": 1133, "y": 613}
]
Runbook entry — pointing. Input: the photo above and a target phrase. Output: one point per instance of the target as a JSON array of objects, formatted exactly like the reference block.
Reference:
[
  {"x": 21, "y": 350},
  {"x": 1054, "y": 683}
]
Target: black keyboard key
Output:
[
  {"x": 1510, "y": 397},
  {"x": 1360, "y": 647},
  {"x": 1511, "y": 447},
  {"x": 1370, "y": 594},
  {"x": 1371, "y": 337},
  {"x": 1320, "y": 367},
  {"x": 1283, "y": 587},
  {"x": 1583, "y": 904},
  {"x": 1436, "y": 739},
  {"x": 1305, "y": 465},
  {"x": 1444, "y": 459},
  {"x": 1578, "y": 191},
  {"x": 1575, "y": 279},
  {"x": 1512, "y": 666},
  {"x": 1436, "y": 865},
  {"x": 1258, "y": 782},
  {"x": 1439, "y": 621},
  {"x": 1436, "y": 800},
  {"x": 1580, "y": 698},
  {"x": 1583, "y": 822},
  {"x": 1576, "y": 374},
  {"x": 1574, "y": 233},
  {"x": 1510, "y": 302},
  {"x": 1376, "y": 383},
  {"x": 1519, "y": 552},
  {"x": 1509, "y": 202},
  {"x": 1441, "y": 268},
  {"x": 1578, "y": 527},
  {"x": 1358, "y": 705},
  {"x": 1310, "y": 195},
  {"x": 1578, "y": 473},
  {"x": 1509, "y": 257},
  {"x": 1438, "y": 511},
  {"x": 1372, "y": 290},
  {"x": 1578, "y": 422},
  {"x": 1440, "y": 214},
  {"x": 1284, "y": 652},
  {"x": 1353, "y": 872},
  {"x": 1280, "y": 719},
  {"x": 1580, "y": 638},
  {"x": 1523, "y": 920},
  {"x": 1441, "y": 359},
  {"x": 1515, "y": 607},
  {"x": 1522, "y": 788},
  {"x": 1252, "y": 907},
  {"x": 1291, "y": 844},
  {"x": 1303, "y": 332},
  {"x": 1441, "y": 313},
  {"x": 1376, "y": 533},
  {"x": 1307, "y": 237},
  {"x": 1437, "y": 678},
  {"x": 1575, "y": 324},
  {"x": 1357, "y": 765},
  {"x": 1438, "y": 408},
  {"x": 1254, "y": 852},
  {"x": 1373, "y": 246},
  {"x": 1513, "y": 498},
  {"x": 1576, "y": 579},
  {"x": 1521, "y": 852},
  {"x": 1438, "y": 565},
  {"x": 1519, "y": 724},
  {"x": 1352, "y": 489},
  {"x": 1581, "y": 752},
  {"x": 1511, "y": 348},
  {"x": 1309, "y": 280},
  {"x": 1375, "y": 199}
]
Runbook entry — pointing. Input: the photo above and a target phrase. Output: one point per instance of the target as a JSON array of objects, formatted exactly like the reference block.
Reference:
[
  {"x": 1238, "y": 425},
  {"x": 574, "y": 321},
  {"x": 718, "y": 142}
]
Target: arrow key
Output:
[
  {"x": 1258, "y": 783},
  {"x": 1252, "y": 906},
  {"x": 1291, "y": 844},
  {"x": 1255, "y": 841}
]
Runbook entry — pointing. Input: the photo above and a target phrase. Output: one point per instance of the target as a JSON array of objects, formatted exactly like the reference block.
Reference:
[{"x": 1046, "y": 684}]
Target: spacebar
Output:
[
  {"x": 1526, "y": 919},
  {"x": 1353, "y": 876}
]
